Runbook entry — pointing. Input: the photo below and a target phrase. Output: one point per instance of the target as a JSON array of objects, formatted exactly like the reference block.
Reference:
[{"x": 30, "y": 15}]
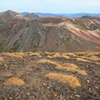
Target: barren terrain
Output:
[{"x": 50, "y": 76}]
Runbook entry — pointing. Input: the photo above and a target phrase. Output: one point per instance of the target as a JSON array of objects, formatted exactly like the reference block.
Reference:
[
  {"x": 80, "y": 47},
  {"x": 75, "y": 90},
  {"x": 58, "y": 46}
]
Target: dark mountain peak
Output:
[
  {"x": 9, "y": 13},
  {"x": 31, "y": 15}
]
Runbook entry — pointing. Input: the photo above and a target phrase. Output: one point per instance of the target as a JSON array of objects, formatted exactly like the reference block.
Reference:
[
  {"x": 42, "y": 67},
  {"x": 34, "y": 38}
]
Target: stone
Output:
[{"x": 77, "y": 96}]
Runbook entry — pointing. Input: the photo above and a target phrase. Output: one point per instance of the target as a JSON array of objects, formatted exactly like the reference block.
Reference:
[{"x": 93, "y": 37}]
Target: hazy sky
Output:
[{"x": 51, "y": 6}]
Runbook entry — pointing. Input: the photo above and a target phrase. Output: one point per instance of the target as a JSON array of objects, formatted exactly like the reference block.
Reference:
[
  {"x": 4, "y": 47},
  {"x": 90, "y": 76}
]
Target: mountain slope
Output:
[{"x": 60, "y": 34}]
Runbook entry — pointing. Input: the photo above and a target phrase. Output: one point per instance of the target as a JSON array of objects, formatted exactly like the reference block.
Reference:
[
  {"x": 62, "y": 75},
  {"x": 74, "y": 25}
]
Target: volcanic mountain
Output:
[{"x": 59, "y": 34}]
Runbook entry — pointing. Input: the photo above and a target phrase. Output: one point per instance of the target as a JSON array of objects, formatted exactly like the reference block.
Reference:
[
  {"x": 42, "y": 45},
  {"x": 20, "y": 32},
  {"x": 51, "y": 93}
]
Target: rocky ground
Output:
[{"x": 50, "y": 76}]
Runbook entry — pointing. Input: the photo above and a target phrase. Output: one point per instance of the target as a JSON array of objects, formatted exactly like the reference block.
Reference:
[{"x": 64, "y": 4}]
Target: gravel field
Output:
[{"x": 50, "y": 76}]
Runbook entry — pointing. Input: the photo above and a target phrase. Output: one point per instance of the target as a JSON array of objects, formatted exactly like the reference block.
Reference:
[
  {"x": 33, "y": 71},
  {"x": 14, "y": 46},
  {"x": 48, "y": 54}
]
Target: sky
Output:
[{"x": 51, "y": 6}]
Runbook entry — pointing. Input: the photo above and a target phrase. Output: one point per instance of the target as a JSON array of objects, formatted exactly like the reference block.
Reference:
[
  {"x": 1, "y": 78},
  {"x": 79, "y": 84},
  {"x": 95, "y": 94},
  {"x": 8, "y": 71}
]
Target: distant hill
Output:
[
  {"x": 47, "y": 15},
  {"x": 24, "y": 13},
  {"x": 42, "y": 14},
  {"x": 63, "y": 15},
  {"x": 91, "y": 17},
  {"x": 31, "y": 15},
  {"x": 79, "y": 14}
]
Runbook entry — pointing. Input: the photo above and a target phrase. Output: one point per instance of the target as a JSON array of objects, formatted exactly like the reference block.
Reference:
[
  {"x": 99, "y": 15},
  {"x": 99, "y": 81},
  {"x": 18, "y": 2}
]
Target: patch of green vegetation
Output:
[
  {"x": 68, "y": 37},
  {"x": 82, "y": 26},
  {"x": 21, "y": 39},
  {"x": 46, "y": 29},
  {"x": 21, "y": 35},
  {"x": 75, "y": 41},
  {"x": 62, "y": 40},
  {"x": 34, "y": 47},
  {"x": 57, "y": 44},
  {"x": 35, "y": 44},
  {"x": 5, "y": 40},
  {"x": 15, "y": 47},
  {"x": 1, "y": 48},
  {"x": 28, "y": 25},
  {"x": 3, "y": 23},
  {"x": 7, "y": 32}
]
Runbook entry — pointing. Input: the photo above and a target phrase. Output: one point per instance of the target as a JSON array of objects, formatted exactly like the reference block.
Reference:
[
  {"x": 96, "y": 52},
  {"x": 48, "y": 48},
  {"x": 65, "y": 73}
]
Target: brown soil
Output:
[{"x": 50, "y": 76}]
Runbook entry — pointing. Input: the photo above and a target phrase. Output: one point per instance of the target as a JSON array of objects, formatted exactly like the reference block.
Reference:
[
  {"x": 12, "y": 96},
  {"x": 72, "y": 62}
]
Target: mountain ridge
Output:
[
  {"x": 54, "y": 34},
  {"x": 31, "y": 15},
  {"x": 63, "y": 15}
]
